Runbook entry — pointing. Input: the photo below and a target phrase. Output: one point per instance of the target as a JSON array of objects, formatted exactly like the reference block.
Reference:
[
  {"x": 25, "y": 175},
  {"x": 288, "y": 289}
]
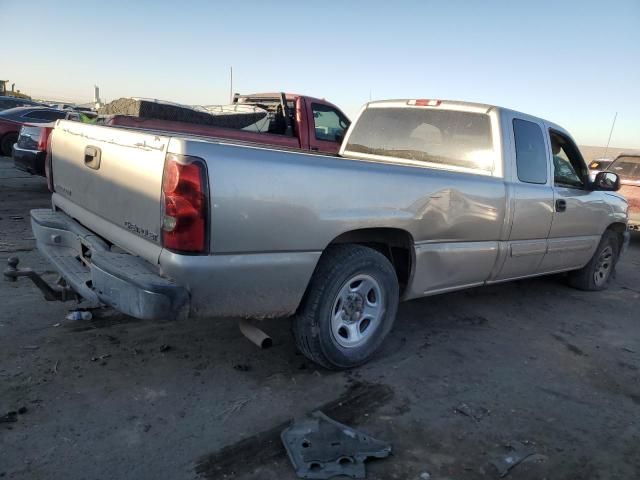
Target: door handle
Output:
[
  {"x": 561, "y": 205},
  {"x": 92, "y": 157}
]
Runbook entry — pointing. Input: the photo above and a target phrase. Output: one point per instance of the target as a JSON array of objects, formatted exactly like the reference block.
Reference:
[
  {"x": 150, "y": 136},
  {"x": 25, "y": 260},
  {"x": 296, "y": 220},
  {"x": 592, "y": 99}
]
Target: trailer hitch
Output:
[{"x": 58, "y": 292}]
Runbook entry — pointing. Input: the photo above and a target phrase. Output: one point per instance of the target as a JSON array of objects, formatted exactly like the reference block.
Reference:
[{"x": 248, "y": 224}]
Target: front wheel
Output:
[
  {"x": 596, "y": 274},
  {"x": 349, "y": 308}
]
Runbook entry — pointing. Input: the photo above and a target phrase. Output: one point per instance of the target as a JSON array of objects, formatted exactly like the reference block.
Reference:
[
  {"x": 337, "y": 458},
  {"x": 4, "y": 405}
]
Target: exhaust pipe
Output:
[{"x": 254, "y": 334}]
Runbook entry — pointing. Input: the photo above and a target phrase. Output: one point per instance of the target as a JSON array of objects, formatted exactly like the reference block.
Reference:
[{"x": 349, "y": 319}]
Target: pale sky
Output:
[{"x": 575, "y": 63}]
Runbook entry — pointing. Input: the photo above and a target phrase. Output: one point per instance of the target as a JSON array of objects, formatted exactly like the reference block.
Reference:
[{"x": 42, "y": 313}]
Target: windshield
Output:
[
  {"x": 444, "y": 137},
  {"x": 627, "y": 166}
]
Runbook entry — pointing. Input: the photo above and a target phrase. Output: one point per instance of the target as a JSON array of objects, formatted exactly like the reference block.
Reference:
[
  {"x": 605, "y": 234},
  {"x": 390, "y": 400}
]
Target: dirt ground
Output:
[{"x": 462, "y": 377}]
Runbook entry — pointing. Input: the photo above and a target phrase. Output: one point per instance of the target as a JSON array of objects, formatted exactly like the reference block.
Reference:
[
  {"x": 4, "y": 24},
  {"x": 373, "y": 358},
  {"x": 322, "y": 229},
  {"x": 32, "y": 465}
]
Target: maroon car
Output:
[
  {"x": 11, "y": 121},
  {"x": 627, "y": 166}
]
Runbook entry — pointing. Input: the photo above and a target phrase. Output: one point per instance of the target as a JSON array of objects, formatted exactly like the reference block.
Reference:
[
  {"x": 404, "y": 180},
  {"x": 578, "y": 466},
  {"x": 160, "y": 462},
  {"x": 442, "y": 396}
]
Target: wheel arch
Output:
[
  {"x": 394, "y": 243},
  {"x": 618, "y": 228},
  {"x": 6, "y": 135}
]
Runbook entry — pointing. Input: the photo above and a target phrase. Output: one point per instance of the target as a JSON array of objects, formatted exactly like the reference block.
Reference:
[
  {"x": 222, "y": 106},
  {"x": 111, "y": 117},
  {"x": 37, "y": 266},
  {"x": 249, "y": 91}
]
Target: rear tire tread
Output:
[{"x": 306, "y": 330}]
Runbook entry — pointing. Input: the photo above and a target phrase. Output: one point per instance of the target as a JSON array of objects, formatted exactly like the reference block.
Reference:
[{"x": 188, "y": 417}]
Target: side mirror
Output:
[
  {"x": 340, "y": 137},
  {"x": 607, "y": 181}
]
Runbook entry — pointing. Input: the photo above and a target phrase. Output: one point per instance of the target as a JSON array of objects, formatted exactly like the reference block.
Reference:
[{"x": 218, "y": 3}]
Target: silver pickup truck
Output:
[{"x": 425, "y": 197}]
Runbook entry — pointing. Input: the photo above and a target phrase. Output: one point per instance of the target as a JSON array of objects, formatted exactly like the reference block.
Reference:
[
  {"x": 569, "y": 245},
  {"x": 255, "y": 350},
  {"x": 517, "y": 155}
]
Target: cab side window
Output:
[
  {"x": 330, "y": 124},
  {"x": 569, "y": 169},
  {"x": 531, "y": 153}
]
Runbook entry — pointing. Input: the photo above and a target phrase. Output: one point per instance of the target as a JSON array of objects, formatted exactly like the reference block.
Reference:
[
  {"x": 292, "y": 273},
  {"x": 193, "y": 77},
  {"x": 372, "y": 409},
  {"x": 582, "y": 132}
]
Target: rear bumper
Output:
[
  {"x": 31, "y": 161},
  {"x": 120, "y": 280}
]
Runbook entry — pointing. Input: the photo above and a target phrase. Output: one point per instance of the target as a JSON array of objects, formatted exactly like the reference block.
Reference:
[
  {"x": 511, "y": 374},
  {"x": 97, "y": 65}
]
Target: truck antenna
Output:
[
  {"x": 231, "y": 84},
  {"x": 610, "y": 133}
]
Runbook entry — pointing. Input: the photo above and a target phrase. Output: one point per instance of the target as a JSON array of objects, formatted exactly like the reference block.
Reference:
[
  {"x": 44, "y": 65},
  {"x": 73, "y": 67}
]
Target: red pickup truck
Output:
[{"x": 293, "y": 121}]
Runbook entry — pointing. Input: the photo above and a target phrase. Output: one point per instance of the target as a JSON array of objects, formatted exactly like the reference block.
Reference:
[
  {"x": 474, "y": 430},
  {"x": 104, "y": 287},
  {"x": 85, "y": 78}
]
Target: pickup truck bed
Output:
[
  {"x": 454, "y": 195},
  {"x": 293, "y": 121}
]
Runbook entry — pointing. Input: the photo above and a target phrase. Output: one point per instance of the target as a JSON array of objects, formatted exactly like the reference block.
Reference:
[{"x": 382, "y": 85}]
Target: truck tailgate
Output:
[{"x": 106, "y": 176}]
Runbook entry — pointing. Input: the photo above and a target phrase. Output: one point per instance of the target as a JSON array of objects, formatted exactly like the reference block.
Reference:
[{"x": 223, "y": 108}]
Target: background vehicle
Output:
[
  {"x": 294, "y": 121},
  {"x": 600, "y": 164},
  {"x": 627, "y": 166},
  {"x": 13, "y": 102},
  {"x": 11, "y": 121},
  {"x": 426, "y": 197},
  {"x": 71, "y": 106},
  {"x": 30, "y": 150}
]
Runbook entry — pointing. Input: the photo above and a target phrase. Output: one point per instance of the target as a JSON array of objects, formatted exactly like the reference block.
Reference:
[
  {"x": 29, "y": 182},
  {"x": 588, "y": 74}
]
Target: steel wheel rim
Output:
[
  {"x": 357, "y": 311},
  {"x": 604, "y": 266}
]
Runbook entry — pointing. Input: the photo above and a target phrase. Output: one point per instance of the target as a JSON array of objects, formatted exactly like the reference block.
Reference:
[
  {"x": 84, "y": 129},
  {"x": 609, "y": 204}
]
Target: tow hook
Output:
[{"x": 58, "y": 292}]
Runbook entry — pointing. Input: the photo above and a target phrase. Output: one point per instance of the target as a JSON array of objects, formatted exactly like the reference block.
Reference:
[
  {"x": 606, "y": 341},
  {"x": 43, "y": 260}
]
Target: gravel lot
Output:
[{"x": 533, "y": 361}]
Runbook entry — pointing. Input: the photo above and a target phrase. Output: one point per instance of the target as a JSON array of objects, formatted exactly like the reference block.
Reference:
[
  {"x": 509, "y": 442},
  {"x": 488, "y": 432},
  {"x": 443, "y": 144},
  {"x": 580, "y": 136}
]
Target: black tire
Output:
[
  {"x": 312, "y": 325},
  {"x": 585, "y": 278},
  {"x": 6, "y": 144}
]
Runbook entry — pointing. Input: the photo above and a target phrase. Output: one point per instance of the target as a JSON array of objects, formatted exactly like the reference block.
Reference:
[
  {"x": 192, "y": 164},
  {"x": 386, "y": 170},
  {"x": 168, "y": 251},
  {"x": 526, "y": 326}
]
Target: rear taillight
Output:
[
  {"x": 185, "y": 204},
  {"x": 48, "y": 172},
  {"x": 43, "y": 141}
]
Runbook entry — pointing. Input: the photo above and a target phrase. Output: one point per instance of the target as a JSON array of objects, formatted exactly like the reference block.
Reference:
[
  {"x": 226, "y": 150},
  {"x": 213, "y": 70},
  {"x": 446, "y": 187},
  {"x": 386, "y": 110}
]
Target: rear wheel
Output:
[
  {"x": 349, "y": 308},
  {"x": 598, "y": 272},
  {"x": 7, "y": 143}
]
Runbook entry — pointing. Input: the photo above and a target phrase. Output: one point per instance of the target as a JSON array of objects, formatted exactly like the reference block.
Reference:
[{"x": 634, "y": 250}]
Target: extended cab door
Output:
[
  {"x": 327, "y": 126},
  {"x": 580, "y": 214},
  {"x": 530, "y": 195}
]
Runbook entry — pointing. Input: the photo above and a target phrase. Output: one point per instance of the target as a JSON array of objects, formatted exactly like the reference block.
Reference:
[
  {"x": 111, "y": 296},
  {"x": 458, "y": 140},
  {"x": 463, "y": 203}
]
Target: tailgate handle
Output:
[{"x": 92, "y": 157}]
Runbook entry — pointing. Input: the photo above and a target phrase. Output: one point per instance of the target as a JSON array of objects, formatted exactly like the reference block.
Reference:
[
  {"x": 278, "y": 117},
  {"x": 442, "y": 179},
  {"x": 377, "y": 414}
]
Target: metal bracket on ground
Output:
[{"x": 321, "y": 448}]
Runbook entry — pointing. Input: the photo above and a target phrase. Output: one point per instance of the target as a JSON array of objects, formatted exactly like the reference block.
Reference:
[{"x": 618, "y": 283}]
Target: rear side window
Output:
[
  {"x": 441, "y": 137},
  {"x": 45, "y": 115},
  {"x": 531, "y": 152}
]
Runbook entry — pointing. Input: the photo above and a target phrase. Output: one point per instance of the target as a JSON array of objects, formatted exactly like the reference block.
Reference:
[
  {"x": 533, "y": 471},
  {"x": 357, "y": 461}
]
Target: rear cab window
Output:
[{"x": 432, "y": 137}]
